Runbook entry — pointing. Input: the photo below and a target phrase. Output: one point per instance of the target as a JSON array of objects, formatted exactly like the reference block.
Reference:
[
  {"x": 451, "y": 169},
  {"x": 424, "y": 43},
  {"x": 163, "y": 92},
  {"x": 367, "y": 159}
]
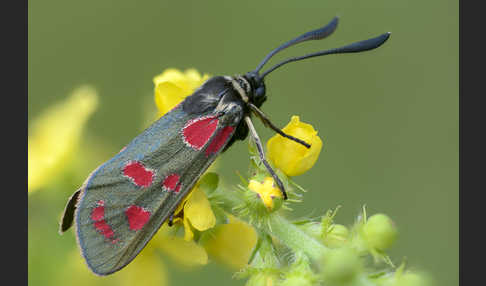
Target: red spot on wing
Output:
[
  {"x": 139, "y": 175},
  {"x": 104, "y": 228},
  {"x": 98, "y": 215},
  {"x": 197, "y": 132},
  {"x": 137, "y": 217},
  {"x": 219, "y": 140},
  {"x": 98, "y": 212},
  {"x": 171, "y": 183}
]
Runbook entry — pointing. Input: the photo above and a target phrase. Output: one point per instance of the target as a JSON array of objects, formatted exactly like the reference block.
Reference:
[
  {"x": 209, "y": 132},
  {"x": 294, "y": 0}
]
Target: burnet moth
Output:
[{"x": 124, "y": 202}]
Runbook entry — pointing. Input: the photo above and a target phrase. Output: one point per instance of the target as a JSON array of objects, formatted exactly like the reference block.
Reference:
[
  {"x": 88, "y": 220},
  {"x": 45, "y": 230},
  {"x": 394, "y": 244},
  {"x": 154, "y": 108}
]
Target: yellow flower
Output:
[
  {"x": 186, "y": 253},
  {"x": 197, "y": 213},
  {"x": 232, "y": 243},
  {"x": 291, "y": 157},
  {"x": 266, "y": 191},
  {"x": 146, "y": 269},
  {"x": 172, "y": 86},
  {"x": 55, "y": 135}
]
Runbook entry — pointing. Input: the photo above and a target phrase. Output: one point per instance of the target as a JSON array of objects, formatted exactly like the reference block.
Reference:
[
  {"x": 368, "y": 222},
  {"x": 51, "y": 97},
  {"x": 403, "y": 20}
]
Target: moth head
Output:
[{"x": 257, "y": 89}]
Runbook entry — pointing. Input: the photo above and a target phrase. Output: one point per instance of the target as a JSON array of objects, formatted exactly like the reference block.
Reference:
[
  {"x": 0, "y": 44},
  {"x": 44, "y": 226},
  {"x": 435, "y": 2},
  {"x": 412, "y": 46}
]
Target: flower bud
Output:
[
  {"x": 263, "y": 278},
  {"x": 337, "y": 236},
  {"x": 412, "y": 279},
  {"x": 295, "y": 280},
  {"x": 313, "y": 229},
  {"x": 340, "y": 266},
  {"x": 379, "y": 232},
  {"x": 300, "y": 273},
  {"x": 291, "y": 157}
]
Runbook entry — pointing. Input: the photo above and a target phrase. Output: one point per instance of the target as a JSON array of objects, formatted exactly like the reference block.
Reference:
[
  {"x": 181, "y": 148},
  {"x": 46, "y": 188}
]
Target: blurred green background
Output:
[{"x": 388, "y": 118}]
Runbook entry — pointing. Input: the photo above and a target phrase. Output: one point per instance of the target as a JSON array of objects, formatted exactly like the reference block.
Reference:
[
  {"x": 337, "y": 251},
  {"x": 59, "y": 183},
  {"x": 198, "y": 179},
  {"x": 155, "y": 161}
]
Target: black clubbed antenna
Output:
[
  {"x": 318, "y": 34},
  {"x": 357, "y": 47}
]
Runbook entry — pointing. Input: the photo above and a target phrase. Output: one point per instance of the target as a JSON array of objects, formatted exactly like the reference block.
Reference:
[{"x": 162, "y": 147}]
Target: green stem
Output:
[{"x": 295, "y": 238}]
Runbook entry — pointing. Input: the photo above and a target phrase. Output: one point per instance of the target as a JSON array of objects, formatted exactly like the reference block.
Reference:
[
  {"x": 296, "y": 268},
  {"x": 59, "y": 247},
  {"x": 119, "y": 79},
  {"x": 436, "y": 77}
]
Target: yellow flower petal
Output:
[
  {"x": 171, "y": 75},
  {"x": 198, "y": 211},
  {"x": 172, "y": 86},
  {"x": 194, "y": 79},
  {"x": 188, "y": 233},
  {"x": 167, "y": 96},
  {"x": 291, "y": 157},
  {"x": 232, "y": 243},
  {"x": 267, "y": 191},
  {"x": 55, "y": 135},
  {"x": 146, "y": 269},
  {"x": 187, "y": 253}
]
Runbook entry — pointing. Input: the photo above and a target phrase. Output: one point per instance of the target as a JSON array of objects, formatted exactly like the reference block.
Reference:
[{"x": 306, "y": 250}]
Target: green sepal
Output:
[
  {"x": 327, "y": 221},
  {"x": 220, "y": 214},
  {"x": 209, "y": 183}
]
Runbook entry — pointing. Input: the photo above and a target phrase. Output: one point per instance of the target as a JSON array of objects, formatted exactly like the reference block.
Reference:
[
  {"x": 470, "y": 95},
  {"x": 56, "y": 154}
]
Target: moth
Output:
[{"x": 123, "y": 202}]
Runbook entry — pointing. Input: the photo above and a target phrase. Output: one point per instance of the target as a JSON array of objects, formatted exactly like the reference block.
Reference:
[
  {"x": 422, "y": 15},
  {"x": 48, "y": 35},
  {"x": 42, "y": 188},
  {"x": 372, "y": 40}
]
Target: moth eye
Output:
[
  {"x": 260, "y": 96},
  {"x": 260, "y": 92}
]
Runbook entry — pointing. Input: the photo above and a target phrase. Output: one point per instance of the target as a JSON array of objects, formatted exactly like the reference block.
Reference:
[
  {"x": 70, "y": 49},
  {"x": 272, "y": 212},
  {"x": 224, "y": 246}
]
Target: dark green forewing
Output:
[{"x": 124, "y": 202}]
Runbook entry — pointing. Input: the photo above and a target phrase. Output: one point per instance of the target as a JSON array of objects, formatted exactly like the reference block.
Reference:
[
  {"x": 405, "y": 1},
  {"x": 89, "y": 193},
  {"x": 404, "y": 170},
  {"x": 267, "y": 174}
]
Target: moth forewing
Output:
[{"x": 126, "y": 200}]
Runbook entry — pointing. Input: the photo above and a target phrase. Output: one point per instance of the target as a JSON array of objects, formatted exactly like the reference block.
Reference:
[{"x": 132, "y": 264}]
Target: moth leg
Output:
[
  {"x": 258, "y": 143},
  {"x": 220, "y": 113},
  {"x": 171, "y": 219},
  {"x": 68, "y": 215},
  {"x": 266, "y": 121}
]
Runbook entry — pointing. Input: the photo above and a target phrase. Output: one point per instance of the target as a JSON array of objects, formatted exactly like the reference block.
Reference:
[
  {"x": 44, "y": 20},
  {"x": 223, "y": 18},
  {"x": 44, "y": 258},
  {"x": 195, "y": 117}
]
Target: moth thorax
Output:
[
  {"x": 241, "y": 85},
  {"x": 232, "y": 112}
]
